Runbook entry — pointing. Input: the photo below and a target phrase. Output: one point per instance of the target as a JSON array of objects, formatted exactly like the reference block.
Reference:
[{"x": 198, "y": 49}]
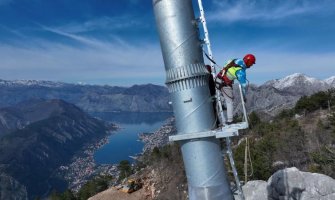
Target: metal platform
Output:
[
  {"x": 226, "y": 131},
  {"x": 231, "y": 130}
]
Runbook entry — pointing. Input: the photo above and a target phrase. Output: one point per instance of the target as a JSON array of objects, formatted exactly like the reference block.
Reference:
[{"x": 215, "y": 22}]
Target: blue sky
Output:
[{"x": 116, "y": 42}]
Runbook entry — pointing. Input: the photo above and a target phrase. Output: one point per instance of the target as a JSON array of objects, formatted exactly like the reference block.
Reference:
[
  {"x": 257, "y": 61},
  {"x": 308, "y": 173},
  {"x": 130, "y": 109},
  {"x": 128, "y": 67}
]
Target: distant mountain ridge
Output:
[
  {"x": 276, "y": 95},
  {"x": 301, "y": 84},
  {"x": 91, "y": 98},
  {"x": 269, "y": 97},
  {"x": 33, "y": 83}
]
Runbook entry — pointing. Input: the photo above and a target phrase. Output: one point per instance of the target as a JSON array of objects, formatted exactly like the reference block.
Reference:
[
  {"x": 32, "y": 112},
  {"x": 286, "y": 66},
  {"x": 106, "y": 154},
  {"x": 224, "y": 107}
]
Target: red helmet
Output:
[{"x": 249, "y": 60}]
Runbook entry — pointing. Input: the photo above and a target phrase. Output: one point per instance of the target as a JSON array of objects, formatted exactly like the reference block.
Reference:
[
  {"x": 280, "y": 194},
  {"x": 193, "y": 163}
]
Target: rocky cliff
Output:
[
  {"x": 275, "y": 95},
  {"x": 290, "y": 183}
]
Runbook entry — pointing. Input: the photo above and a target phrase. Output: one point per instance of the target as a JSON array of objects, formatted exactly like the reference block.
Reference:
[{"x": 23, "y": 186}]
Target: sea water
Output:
[{"x": 125, "y": 142}]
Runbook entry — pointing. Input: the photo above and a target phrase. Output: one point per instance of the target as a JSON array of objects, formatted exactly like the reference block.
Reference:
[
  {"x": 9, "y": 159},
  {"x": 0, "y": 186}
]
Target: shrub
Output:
[
  {"x": 314, "y": 102},
  {"x": 125, "y": 169}
]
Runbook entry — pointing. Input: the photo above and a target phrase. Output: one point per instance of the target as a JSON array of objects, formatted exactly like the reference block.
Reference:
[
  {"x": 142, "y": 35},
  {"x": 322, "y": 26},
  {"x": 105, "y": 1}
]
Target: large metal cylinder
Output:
[{"x": 187, "y": 81}]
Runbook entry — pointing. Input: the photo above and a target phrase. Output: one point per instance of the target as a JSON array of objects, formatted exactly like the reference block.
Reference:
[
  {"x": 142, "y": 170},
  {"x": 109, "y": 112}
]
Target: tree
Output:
[
  {"x": 254, "y": 119},
  {"x": 314, "y": 102},
  {"x": 93, "y": 187},
  {"x": 68, "y": 195},
  {"x": 55, "y": 195},
  {"x": 125, "y": 169},
  {"x": 286, "y": 113},
  {"x": 156, "y": 152}
]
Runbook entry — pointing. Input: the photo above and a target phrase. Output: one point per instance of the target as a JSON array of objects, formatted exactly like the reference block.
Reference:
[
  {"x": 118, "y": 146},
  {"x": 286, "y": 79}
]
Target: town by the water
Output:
[{"x": 83, "y": 167}]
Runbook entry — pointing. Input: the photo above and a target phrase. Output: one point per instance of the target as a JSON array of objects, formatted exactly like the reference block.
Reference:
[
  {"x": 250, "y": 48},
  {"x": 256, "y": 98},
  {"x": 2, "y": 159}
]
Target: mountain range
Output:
[
  {"x": 91, "y": 98},
  {"x": 39, "y": 130},
  {"x": 300, "y": 84},
  {"x": 269, "y": 97},
  {"x": 276, "y": 95},
  {"x": 37, "y": 138}
]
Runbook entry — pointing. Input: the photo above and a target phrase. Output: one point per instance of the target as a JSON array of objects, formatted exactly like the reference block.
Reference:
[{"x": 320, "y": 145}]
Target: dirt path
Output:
[{"x": 118, "y": 195}]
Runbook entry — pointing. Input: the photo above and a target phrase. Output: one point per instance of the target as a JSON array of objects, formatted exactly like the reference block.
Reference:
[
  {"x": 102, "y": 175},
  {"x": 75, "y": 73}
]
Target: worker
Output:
[
  {"x": 212, "y": 92},
  {"x": 211, "y": 83},
  {"x": 233, "y": 69}
]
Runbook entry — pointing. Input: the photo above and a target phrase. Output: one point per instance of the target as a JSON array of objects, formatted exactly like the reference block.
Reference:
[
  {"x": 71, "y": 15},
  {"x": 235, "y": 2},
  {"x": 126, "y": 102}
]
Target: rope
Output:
[
  {"x": 246, "y": 156},
  {"x": 252, "y": 168},
  {"x": 207, "y": 56},
  {"x": 246, "y": 161}
]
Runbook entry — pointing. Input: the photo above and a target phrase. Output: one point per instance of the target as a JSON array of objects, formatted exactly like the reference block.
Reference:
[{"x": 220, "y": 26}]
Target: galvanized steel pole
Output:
[{"x": 187, "y": 81}]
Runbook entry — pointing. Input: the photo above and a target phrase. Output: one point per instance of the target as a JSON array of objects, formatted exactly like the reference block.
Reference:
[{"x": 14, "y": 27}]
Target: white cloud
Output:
[
  {"x": 115, "y": 62},
  {"x": 95, "y": 62},
  {"x": 12, "y": 31},
  {"x": 104, "y": 23},
  {"x": 119, "y": 61},
  {"x": 98, "y": 61},
  {"x": 84, "y": 40},
  {"x": 243, "y": 10}
]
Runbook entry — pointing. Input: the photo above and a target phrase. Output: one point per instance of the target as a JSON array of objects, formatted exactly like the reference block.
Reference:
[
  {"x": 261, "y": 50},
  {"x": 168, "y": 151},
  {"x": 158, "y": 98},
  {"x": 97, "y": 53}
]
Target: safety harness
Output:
[{"x": 222, "y": 79}]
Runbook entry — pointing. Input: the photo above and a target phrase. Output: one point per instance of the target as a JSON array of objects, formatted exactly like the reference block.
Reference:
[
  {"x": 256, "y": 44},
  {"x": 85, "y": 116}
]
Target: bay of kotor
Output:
[{"x": 125, "y": 142}]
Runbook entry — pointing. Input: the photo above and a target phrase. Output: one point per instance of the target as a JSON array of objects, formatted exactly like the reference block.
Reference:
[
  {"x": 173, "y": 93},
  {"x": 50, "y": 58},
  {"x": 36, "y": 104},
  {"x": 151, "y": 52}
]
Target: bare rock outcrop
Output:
[{"x": 291, "y": 184}]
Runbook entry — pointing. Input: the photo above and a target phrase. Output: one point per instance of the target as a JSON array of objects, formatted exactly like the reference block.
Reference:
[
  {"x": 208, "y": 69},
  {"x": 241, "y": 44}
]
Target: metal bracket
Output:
[
  {"x": 226, "y": 131},
  {"x": 231, "y": 130},
  {"x": 190, "y": 136}
]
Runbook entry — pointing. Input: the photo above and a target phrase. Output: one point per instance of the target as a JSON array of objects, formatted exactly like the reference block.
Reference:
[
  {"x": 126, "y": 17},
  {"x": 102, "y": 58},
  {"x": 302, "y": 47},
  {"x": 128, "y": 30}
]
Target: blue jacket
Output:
[{"x": 239, "y": 73}]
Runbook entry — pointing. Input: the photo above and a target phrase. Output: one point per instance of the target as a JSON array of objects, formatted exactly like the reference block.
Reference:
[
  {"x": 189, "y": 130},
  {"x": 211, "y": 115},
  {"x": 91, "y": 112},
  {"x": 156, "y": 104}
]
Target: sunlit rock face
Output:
[{"x": 290, "y": 183}]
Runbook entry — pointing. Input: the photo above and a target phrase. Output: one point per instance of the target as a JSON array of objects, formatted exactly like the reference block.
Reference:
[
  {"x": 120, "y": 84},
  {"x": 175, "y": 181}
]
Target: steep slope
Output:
[
  {"x": 276, "y": 95},
  {"x": 32, "y": 153},
  {"x": 267, "y": 99},
  {"x": 10, "y": 119},
  {"x": 8, "y": 185},
  {"x": 163, "y": 177},
  {"x": 27, "y": 112},
  {"x": 283, "y": 143}
]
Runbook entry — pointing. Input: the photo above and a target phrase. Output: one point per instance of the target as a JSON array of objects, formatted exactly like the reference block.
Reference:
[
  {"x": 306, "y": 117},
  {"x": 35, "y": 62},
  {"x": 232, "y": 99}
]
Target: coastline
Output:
[
  {"x": 158, "y": 138},
  {"x": 83, "y": 167}
]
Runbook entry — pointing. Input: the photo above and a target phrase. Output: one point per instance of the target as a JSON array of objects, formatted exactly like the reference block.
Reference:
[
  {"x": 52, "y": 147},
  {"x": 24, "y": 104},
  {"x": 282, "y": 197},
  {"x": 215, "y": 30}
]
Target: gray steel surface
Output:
[{"x": 187, "y": 81}]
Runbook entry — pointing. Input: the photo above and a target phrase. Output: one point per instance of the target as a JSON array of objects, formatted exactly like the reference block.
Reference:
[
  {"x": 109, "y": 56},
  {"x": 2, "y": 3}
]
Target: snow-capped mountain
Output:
[
  {"x": 50, "y": 84},
  {"x": 92, "y": 98},
  {"x": 271, "y": 97},
  {"x": 330, "y": 81},
  {"x": 276, "y": 95},
  {"x": 300, "y": 84}
]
